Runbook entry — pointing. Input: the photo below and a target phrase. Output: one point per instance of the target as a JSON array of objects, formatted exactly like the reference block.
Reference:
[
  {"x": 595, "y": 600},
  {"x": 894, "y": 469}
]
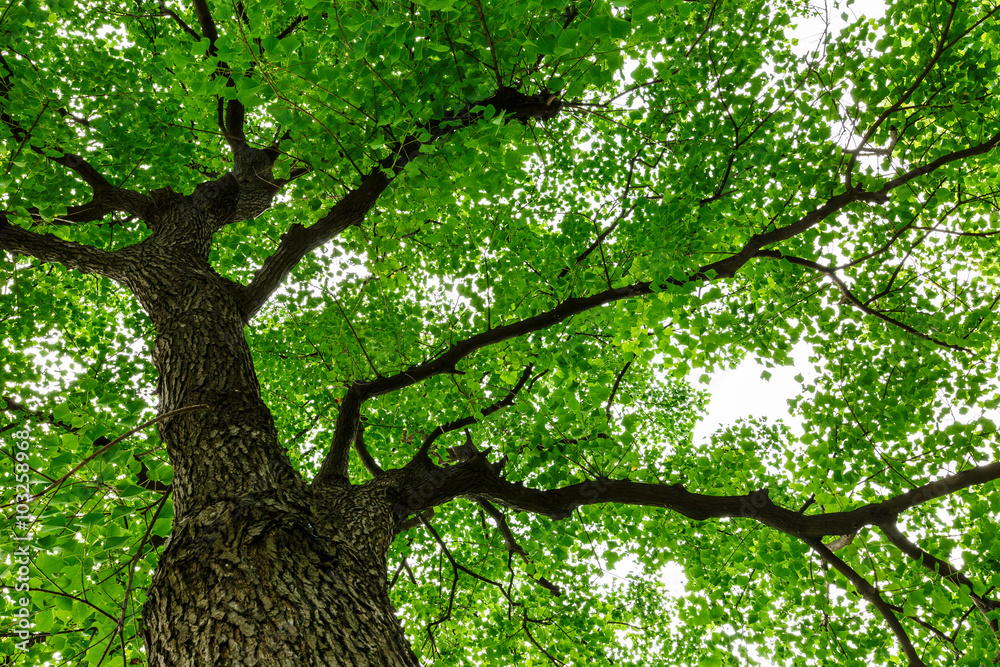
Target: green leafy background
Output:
[{"x": 686, "y": 129}]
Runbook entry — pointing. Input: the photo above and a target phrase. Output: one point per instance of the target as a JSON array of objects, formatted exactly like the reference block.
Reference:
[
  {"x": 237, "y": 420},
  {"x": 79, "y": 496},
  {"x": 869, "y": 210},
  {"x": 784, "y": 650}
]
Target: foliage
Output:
[{"x": 757, "y": 195}]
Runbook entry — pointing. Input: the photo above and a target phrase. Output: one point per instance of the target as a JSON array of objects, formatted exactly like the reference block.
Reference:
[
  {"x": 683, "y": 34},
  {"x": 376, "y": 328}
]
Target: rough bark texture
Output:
[
  {"x": 279, "y": 578},
  {"x": 261, "y": 569},
  {"x": 265, "y": 568}
]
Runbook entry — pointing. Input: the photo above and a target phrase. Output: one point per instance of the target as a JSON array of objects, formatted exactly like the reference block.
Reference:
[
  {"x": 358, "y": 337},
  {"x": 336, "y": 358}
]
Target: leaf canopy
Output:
[{"x": 835, "y": 195}]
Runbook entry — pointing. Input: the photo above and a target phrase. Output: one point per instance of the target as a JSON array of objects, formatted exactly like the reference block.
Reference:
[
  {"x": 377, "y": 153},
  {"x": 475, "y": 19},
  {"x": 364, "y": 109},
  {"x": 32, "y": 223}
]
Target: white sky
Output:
[{"x": 741, "y": 392}]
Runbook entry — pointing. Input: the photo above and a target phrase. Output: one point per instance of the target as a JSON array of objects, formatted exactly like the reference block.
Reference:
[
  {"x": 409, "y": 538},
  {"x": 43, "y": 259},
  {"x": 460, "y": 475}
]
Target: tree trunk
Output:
[
  {"x": 260, "y": 568},
  {"x": 269, "y": 580}
]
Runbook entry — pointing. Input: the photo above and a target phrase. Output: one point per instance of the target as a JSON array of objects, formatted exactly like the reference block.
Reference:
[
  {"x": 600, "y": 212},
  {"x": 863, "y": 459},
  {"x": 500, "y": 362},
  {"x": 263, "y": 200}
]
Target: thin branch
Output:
[
  {"x": 415, "y": 521},
  {"x": 852, "y": 299},
  {"x": 614, "y": 389},
  {"x": 511, "y": 541},
  {"x": 949, "y": 573},
  {"x": 291, "y": 27},
  {"x": 504, "y": 402},
  {"x": 939, "y": 50},
  {"x": 13, "y": 405},
  {"x": 501, "y": 523},
  {"x": 166, "y": 11},
  {"x": 874, "y": 598},
  {"x": 76, "y": 468},
  {"x": 728, "y": 267},
  {"x": 106, "y": 197}
]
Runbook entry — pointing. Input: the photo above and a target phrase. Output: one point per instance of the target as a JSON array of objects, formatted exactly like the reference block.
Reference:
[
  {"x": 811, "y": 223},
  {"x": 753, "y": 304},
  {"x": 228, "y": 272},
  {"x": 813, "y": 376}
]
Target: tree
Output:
[{"x": 322, "y": 319}]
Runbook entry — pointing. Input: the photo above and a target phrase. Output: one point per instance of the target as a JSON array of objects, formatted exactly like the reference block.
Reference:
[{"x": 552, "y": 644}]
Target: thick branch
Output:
[
  {"x": 348, "y": 429},
  {"x": 446, "y": 362},
  {"x": 369, "y": 462},
  {"x": 352, "y": 209},
  {"x": 725, "y": 268},
  {"x": 230, "y": 114},
  {"x": 49, "y": 248},
  {"x": 429, "y": 485},
  {"x": 874, "y": 598},
  {"x": 207, "y": 24}
]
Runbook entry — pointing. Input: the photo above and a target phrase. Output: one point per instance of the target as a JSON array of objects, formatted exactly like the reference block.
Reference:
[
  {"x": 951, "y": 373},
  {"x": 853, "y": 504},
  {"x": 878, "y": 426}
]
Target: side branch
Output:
[
  {"x": 334, "y": 467},
  {"x": 49, "y": 248},
  {"x": 951, "y": 574},
  {"x": 504, "y": 402},
  {"x": 429, "y": 485},
  {"x": 352, "y": 209},
  {"x": 230, "y": 114},
  {"x": 726, "y": 268},
  {"x": 873, "y": 597},
  {"x": 349, "y": 429},
  {"x": 355, "y": 205},
  {"x": 852, "y": 299},
  {"x": 107, "y": 197}
]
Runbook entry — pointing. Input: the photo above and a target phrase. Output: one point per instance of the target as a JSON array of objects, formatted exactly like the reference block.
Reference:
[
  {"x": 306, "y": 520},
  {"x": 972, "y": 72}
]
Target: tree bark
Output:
[
  {"x": 260, "y": 568},
  {"x": 277, "y": 579}
]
